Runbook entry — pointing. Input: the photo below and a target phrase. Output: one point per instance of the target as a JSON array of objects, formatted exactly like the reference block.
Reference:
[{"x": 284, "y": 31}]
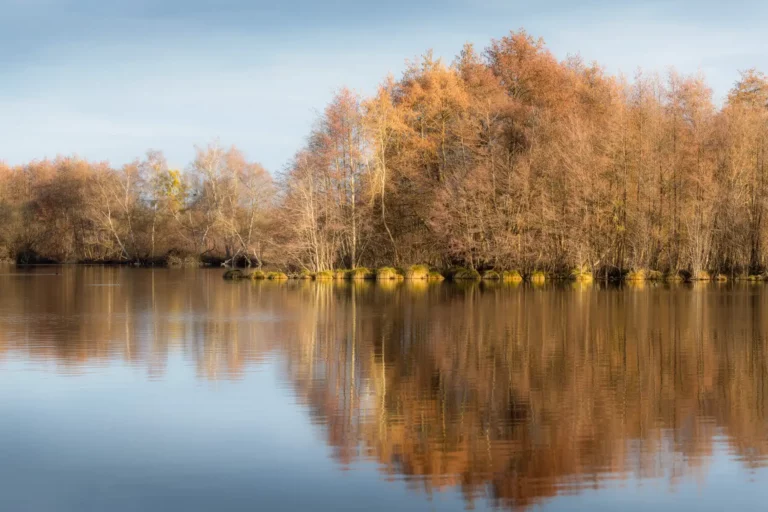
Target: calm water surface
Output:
[{"x": 157, "y": 390}]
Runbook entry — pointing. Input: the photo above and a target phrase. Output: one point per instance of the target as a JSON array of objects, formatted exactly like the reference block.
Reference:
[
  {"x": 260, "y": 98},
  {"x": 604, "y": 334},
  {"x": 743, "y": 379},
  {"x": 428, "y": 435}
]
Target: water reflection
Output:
[{"x": 509, "y": 393}]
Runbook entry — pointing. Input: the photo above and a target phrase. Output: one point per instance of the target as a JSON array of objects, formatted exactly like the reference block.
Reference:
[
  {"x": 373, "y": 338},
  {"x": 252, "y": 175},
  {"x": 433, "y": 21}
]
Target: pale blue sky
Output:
[{"x": 109, "y": 79}]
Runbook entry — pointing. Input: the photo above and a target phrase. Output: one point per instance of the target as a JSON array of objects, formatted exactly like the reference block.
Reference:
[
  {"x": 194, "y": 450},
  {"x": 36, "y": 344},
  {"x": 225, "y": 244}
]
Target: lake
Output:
[{"x": 154, "y": 390}]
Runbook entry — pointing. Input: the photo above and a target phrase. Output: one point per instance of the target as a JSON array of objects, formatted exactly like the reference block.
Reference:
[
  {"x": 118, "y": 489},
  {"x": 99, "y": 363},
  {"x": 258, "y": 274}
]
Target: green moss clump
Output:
[
  {"x": 324, "y": 275},
  {"x": 434, "y": 275},
  {"x": 538, "y": 277},
  {"x": 388, "y": 273},
  {"x": 467, "y": 274},
  {"x": 511, "y": 276},
  {"x": 306, "y": 274},
  {"x": 360, "y": 273},
  {"x": 234, "y": 274},
  {"x": 257, "y": 275},
  {"x": 277, "y": 276},
  {"x": 417, "y": 272},
  {"x": 491, "y": 275}
]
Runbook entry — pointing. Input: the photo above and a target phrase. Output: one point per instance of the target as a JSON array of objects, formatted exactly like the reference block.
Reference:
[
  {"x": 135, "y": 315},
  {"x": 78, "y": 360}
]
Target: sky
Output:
[{"x": 110, "y": 79}]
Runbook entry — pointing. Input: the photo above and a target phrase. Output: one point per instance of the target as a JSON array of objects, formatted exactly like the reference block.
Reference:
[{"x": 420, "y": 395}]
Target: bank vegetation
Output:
[{"x": 506, "y": 159}]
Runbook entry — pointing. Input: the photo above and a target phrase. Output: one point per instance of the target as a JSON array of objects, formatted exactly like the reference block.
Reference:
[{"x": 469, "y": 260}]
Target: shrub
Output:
[
  {"x": 340, "y": 274},
  {"x": 192, "y": 262},
  {"x": 324, "y": 275},
  {"x": 257, "y": 275},
  {"x": 6, "y": 256},
  {"x": 581, "y": 274},
  {"x": 173, "y": 261},
  {"x": 466, "y": 274},
  {"x": 491, "y": 275},
  {"x": 276, "y": 276},
  {"x": 511, "y": 276},
  {"x": 538, "y": 277},
  {"x": 305, "y": 274},
  {"x": 636, "y": 275},
  {"x": 434, "y": 275},
  {"x": 721, "y": 278},
  {"x": 701, "y": 275},
  {"x": 176, "y": 261},
  {"x": 654, "y": 275},
  {"x": 387, "y": 273},
  {"x": 359, "y": 273},
  {"x": 417, "y": 272}
]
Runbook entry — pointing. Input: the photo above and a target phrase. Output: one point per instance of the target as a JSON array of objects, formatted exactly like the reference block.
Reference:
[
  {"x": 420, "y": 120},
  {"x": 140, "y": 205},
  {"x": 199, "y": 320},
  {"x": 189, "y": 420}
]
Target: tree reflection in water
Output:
[{"x": 508, "y": 392}]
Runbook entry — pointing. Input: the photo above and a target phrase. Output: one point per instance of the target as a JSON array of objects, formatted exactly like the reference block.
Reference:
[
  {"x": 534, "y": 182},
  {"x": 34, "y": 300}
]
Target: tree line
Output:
[{"x": 506, "y": 158}]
